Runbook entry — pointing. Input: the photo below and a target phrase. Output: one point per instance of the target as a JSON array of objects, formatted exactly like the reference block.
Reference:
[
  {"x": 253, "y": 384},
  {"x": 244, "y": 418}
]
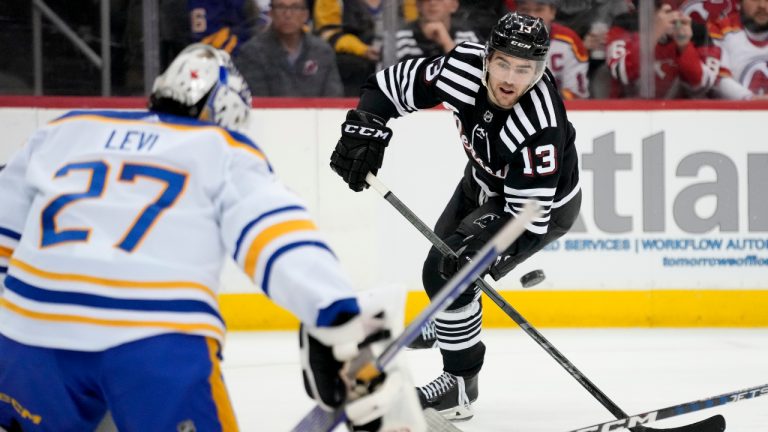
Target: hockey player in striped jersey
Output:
[
  {"x": 113, "y": 231},
  {"x": 520, "y": 146}
]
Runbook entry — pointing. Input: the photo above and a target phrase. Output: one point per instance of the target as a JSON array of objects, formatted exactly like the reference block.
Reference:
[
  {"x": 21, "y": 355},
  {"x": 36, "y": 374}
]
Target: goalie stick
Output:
[
  {"x": 712, "y": 424},
  {"x": 676, "y": 410},
  {"x": 365, "y": 367}
]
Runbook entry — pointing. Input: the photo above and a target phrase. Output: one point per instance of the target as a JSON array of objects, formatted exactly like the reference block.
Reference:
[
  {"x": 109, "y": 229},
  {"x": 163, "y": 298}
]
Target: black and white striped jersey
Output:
[
  {"x": 412, "y": 43},
  {"x": 524, "y": 153}
]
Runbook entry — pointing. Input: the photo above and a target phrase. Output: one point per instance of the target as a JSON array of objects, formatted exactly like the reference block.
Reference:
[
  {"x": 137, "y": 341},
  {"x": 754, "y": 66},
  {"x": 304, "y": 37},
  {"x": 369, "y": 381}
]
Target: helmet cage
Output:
[{"x": 203, "y": 82}]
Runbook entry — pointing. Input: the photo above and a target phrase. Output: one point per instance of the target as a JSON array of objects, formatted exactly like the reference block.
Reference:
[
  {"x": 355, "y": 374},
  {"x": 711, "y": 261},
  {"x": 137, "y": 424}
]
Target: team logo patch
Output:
[
  {"x": 484, "y": 220},
  {"x": 488, "y": 116},
  {"x": 186, "y": 426},
  {"x": 310, "y": 67}
]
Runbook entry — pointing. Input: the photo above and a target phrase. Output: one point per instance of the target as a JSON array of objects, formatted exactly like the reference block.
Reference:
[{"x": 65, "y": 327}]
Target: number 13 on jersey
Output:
[{"x": 174, "y": 183}]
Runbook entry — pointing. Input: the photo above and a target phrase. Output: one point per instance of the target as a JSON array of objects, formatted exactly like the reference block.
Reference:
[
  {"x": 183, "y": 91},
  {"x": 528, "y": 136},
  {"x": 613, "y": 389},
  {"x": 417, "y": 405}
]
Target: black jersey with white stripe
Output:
[{"x": 524, "y": 153}]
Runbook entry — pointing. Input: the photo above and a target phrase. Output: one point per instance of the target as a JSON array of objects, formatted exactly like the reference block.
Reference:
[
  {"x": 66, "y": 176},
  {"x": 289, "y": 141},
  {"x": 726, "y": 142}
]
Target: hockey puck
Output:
[{"x": 532, "y": 278}]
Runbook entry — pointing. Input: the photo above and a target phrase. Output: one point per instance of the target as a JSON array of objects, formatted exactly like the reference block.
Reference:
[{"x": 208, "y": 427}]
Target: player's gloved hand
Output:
[
  {"x": 370, "y": 401},
  {"x": 360, "y": 149},
  {"x": 469, "y": 247},
  {"x": 326, "y": 350}
]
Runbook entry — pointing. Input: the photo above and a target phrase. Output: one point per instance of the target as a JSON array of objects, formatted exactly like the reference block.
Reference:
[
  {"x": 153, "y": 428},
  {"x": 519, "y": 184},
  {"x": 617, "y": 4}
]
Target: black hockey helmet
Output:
[{"x": 521, "y": 36}]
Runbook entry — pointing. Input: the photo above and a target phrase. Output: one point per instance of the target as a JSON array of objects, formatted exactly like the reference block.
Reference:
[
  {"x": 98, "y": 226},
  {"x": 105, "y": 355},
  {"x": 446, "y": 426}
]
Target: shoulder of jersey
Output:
[
  {"x": 469, "y": 51},
  {"x": 175, "y": 123},
  {"x": 567, "y": 35},
  {"x": 720, "y": 28}
]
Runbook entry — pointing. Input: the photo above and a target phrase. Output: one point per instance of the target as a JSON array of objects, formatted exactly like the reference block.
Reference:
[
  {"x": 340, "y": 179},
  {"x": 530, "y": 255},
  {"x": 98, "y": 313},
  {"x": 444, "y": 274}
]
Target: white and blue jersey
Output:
[{"x": 114, "y": 227}]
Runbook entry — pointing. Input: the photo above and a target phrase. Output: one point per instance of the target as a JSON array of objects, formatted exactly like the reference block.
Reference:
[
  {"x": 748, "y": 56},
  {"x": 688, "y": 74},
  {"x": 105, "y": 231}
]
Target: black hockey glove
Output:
[
  {"x": 479, "y": 227},
  {"x": 360, "y": 149}
]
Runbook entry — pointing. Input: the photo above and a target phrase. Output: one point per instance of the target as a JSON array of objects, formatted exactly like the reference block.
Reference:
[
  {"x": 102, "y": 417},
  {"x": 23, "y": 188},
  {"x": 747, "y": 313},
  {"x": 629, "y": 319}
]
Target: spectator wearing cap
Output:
[{"x": 287, "y": 61}]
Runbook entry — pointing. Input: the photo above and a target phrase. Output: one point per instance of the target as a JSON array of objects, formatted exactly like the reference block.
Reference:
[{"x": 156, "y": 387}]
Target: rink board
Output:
[{"x": 673, "y": 229}]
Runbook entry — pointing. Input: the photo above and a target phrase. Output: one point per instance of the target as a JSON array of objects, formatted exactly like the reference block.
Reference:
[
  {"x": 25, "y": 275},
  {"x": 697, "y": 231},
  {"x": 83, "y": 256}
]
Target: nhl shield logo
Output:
[
  {"x": 186, "y": 426},
  {"x": 488, "y": 116}
]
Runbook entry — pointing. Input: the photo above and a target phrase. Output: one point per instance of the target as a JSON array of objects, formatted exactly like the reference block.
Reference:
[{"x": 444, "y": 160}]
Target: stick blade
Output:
[
  {"x": 715, "y": 423},
  {"x": 437, "y": 423}
]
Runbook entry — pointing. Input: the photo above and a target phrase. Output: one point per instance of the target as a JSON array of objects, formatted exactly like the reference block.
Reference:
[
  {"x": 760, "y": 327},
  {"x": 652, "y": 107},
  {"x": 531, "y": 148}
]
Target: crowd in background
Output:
[{"x": 328, "y": 48}]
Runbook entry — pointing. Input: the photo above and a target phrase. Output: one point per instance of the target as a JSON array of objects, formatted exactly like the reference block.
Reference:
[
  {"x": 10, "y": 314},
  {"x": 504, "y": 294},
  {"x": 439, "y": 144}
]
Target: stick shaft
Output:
[
  {"x": 679, "y": 409},
  {"x": 438, "y": 243},
  {"x": 320, "y": 420}
]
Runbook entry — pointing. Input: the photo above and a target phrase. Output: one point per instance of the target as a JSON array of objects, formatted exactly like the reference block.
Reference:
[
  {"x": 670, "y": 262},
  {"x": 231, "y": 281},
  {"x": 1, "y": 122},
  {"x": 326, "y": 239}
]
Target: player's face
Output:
[
  {"x": 508, "y": 78},
  {"x": 539, "y": 10},
  {"x": 757, "y": 10}
]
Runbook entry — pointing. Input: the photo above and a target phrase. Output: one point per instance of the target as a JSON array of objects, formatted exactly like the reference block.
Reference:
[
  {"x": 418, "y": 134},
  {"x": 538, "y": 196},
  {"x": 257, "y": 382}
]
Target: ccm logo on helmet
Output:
[
  {"x": 366, "y": 131},
  {"x": 521, "y": 45}
]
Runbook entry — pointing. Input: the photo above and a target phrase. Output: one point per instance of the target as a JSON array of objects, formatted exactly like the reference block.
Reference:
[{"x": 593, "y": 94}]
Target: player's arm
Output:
[
  {"x": 272, "y": 237},
  {"x": 274, "y": 240},
  {"x": 393, "y": 92},
  {"x": 699, "y": 60},
  {"x": 16, "y": 195}
]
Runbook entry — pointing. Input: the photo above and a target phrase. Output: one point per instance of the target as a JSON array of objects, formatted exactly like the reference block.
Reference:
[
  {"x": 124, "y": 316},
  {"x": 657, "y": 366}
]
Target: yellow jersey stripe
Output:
[
  {"x": 112, "y": 283},
  {"x": 180, "y": 327},
  {"x": 5, "y": 252},
  {"x": 227, "y": 137},
  {"x": 224, "y": 409},
  {"x": 269, "y": 234}
]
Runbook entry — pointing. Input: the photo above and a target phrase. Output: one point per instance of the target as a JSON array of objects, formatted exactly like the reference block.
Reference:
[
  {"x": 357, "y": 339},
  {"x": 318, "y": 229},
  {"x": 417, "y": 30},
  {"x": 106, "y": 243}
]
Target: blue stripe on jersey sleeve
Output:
[
  {"x": 49, "y": 296},
  {"x": 282, "y": 250},
  {"x": 10, "y": 233},
  {"x": 327, "y": 317},
  {"x": 3, "y": 270},
  {"x": 250, "y": 225}
]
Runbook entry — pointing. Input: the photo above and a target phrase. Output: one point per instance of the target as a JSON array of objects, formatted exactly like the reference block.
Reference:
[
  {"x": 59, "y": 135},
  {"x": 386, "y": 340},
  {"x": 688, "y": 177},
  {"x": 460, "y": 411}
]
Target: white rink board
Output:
[{"x": 651, "y": 181}]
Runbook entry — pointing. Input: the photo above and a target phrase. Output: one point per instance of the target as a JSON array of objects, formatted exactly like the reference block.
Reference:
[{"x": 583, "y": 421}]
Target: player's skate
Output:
[
  {"x": 450, "y": 395},
  {"x": 427, "y": 338}
]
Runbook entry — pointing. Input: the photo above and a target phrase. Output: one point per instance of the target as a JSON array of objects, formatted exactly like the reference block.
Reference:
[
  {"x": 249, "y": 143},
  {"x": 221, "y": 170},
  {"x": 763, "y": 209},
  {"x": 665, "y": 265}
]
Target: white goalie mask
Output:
[{"x": 206, "y": 85}]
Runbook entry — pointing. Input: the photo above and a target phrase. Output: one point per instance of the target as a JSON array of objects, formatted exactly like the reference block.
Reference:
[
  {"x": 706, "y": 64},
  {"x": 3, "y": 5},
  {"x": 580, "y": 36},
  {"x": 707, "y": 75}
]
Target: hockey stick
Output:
[
  {"x": 712, "y": 424},
  {"x": 676, "y": 410},
  {"x": 365, "y": 367}
]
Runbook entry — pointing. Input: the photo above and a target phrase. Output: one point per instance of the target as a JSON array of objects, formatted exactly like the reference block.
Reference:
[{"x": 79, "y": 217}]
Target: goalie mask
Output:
[
  {"x": 523, "y": 42},
  {"x": 203, "y": 83}
]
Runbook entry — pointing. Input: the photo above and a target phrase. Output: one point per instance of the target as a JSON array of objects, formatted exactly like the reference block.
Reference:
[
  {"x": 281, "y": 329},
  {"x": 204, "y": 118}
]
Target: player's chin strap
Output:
[{"x": 712, "y": 424}]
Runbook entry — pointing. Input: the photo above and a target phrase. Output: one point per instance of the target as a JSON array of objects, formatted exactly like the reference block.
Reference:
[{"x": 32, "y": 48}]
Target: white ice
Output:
[{"x": 522, "y": 389}]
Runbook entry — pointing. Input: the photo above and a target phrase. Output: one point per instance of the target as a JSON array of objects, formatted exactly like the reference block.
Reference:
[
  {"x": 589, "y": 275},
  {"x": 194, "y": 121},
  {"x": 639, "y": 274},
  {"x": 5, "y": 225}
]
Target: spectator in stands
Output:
[
  {"x": 743, "y": 40},
  {"x": 681, "y": 69},
  {"x": 567, "y": 57},
  {"x": 223, "y": 24},
  {"x": 286, "y": 61},
  {"x": 480, "y": 15},
  {"x": 433, "y": 33},
  {"x": 354, "y": 28}
]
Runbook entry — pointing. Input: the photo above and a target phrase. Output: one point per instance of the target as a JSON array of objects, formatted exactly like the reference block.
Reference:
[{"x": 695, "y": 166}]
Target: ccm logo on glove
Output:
[{"x": 363, "y": 131}]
